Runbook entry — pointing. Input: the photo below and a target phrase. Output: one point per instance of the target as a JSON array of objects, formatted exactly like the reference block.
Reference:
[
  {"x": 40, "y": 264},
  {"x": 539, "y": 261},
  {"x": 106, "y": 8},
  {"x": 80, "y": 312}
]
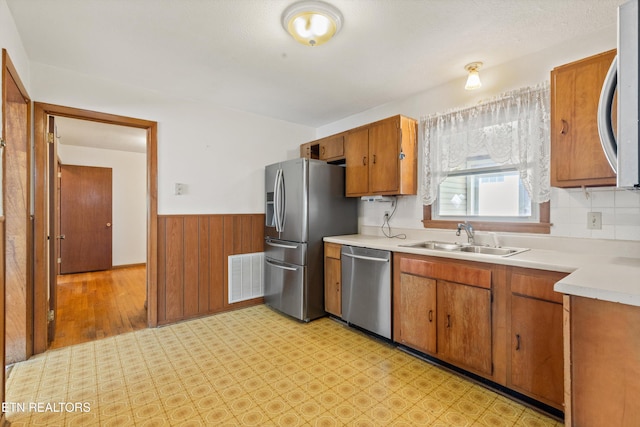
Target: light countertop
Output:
[{"x": 600, "y": 274}]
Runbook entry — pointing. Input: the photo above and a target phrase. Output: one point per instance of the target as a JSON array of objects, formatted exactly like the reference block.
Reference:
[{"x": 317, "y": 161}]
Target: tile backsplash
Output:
[{"x": 620, "y": 211}]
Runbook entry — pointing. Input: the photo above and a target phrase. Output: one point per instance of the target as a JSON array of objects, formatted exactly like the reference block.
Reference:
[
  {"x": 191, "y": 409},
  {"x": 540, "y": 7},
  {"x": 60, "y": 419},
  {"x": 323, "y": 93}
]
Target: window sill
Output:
[{"x": 542, "y": 227}]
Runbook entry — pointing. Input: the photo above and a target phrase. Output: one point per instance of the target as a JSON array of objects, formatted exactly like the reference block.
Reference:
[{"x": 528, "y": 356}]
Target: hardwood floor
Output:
[{"x": 100, "y": 304}]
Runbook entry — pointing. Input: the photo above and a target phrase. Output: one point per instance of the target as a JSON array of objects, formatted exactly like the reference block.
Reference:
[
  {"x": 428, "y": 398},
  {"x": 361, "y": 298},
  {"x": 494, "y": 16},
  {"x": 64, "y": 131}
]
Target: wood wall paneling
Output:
[{"x": 192, "y": 261}]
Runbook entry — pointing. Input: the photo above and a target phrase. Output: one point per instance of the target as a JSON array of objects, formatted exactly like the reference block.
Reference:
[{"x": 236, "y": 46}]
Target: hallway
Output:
[{"x": 100, "y": 304}]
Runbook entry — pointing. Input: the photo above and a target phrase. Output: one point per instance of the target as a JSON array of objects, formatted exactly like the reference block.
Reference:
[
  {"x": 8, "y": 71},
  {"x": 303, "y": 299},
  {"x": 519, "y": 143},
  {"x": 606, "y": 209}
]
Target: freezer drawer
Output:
[
  {"x": 284, "y": 251},
  {"x": 284, "y": 288},
  {"x": 366, "y": 289}
]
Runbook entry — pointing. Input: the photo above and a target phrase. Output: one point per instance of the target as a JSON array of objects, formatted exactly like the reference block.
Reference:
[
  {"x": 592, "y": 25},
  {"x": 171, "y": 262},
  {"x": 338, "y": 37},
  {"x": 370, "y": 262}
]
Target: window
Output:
[
  {"x": 486, "y": 191},
  {"x": 489, "y": 164}
]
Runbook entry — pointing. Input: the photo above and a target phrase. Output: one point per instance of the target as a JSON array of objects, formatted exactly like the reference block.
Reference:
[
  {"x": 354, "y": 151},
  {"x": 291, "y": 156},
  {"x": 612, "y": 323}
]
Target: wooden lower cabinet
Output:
[
  {"x": 502, "y": 323},
  {"x": 437, "y": 316},
  {"x": 464, "y": 325},
  {"x": 415, "y": 306},
  {"x": 603, "y": 357},
  {"x": 332, "y": 279},
  {"x": 536, "y": 352}
]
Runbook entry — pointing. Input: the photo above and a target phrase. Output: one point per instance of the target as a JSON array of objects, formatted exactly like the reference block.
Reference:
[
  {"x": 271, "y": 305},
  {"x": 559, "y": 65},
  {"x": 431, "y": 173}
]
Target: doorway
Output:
[{"x": 44, "y": 230}]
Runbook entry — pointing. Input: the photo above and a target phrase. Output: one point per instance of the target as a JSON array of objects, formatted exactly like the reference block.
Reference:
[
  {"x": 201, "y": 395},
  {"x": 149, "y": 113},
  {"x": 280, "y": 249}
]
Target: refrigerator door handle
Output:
[
  {"x": 367, "y": 258},
  {"x": 281, "y": 200},
  {"x": 280, "y": 266},
  {"x": 276, "y": 201},
  {"x": 280, "y": 245}
]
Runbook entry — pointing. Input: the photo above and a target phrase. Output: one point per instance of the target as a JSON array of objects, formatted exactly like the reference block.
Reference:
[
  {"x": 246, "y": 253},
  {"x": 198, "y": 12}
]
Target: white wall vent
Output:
[{"x": 246, "y": 276}]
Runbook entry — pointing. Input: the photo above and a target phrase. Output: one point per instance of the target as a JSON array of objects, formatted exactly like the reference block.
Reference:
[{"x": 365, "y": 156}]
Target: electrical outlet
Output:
[
  {"x": 594, "y": 220},
  {"x": 387, "y": 213}
]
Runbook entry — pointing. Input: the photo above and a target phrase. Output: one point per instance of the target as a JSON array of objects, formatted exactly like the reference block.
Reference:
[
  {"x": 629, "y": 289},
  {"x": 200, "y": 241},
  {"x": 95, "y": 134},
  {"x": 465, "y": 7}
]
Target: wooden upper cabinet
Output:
[
  {"x": 329, "y": 149},
  {"x": 357, "y": 154},
  {"x": 381, "y": 158},
  {"x": 577, "y": 158},
  {"x": 332, "y": 148}
]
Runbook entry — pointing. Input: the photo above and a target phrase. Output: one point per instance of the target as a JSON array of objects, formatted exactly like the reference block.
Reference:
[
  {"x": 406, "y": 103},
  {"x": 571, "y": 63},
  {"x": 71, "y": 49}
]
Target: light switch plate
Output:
[{"x": 594, "y": 220}]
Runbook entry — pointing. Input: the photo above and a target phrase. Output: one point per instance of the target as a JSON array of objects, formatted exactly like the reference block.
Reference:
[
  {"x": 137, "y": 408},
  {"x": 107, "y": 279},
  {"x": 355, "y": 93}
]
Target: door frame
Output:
[{"x": 41, "y": 112}]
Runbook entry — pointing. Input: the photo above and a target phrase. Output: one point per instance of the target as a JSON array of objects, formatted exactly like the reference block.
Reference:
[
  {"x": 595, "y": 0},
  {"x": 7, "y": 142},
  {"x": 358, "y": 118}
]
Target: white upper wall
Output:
[
  {"x": 218, "y": 153},
  {"x": 10, "y": 40}
]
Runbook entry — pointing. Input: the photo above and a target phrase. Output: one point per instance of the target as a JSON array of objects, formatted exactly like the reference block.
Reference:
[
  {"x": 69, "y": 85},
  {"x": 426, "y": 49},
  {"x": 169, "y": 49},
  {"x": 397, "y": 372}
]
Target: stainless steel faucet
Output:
[{"x": 468, "y": 228}]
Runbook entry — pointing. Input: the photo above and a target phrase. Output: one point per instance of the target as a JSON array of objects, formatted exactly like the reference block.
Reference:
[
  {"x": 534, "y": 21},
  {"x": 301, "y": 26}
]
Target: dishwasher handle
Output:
[{"x": 366, "y": 258}]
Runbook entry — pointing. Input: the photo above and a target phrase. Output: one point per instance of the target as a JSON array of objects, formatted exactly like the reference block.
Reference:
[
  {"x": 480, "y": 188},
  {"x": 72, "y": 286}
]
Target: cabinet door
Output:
[
  {"x": 332, "y": 286},
  {"x": 357, "y": 163},
  {"x": 536, "y": 348},
  {"x": 383, "y": 149},
  {"x": 464, "y": 325},
  {"x": 577, "y": 156},
  {"x": 415, "y": 312},
  {"x": 605, "y": 363},
  {"x": 332, "y": 147}
]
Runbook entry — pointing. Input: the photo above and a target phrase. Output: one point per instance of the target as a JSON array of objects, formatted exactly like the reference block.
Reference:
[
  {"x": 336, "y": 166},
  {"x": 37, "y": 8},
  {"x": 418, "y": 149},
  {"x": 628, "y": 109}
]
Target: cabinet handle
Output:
[
  {"x": 364, "y": 160},
  {"x": 323, "y": 150},
  {"x": 448, "y": 320},
  {"x": 563, "y": 130},
  {"x": 430, "y": 316},
  {"x": 517, "y": 342},
  {"x": 374, "y": 159}
]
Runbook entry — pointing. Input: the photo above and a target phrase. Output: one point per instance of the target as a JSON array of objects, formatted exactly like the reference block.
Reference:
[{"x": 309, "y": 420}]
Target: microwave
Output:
[{"x": 621, "y": 145}]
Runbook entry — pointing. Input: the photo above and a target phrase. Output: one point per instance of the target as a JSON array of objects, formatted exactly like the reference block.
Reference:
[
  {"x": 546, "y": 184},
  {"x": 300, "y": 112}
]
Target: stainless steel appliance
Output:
[
  {"x": 622, "y": 147},
  {"x": 366, "y": 289},
  {"x": 304, "y": 203}
]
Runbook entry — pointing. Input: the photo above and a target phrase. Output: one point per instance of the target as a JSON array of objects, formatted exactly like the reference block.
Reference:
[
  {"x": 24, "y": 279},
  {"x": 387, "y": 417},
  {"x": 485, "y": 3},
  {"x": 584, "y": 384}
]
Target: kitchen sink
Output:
[
  {"x": 457, "y": 247},
  {"x": 488, "y": 250},
  {"x": 443, "y": 246}
]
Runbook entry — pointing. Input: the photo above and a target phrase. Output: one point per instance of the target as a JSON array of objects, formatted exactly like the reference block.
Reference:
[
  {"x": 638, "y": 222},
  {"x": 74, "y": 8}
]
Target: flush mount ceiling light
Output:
[
  {"x": 473, "y": 81},
  {"x": 312, "y": 23}
]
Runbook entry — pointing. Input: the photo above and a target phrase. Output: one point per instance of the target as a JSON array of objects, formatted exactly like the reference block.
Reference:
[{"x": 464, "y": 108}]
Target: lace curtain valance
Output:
[{"x": 513, "y": 129}]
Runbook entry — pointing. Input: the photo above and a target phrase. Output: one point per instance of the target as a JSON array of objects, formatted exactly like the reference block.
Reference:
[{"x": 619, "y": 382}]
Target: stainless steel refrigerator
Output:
[{"x": 304, "y": 202}]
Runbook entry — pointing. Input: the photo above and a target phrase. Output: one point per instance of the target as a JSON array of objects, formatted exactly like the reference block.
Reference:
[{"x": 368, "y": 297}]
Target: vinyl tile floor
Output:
[{"x": 251, "y": 367}]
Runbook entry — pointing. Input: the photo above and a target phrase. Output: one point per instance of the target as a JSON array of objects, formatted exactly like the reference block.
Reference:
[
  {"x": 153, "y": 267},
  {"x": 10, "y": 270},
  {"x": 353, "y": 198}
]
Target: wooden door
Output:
[
  {"x": 415, "y": 312},
  {"x": 357, "y": 163},
  {"x": 536, "y": 348},
  {"x": 464, "y": 325},
  {"x": 383, "y": 149},
  {"x": 16, "y": 199},
  {"x": 85, "y": 218}
]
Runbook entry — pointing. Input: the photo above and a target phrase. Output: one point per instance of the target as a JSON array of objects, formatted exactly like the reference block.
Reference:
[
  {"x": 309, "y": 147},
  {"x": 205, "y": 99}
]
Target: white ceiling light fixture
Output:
[
  {"x": 312, "y": 23},
  {"x": 473, "y": 80}
]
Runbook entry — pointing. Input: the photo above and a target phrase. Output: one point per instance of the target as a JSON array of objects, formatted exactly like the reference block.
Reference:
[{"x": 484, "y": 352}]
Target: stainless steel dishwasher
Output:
[{"x": 366, "y": 289}]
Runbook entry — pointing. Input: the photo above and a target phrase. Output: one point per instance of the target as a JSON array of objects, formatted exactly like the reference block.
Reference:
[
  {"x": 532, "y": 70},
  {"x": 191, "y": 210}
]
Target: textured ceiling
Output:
[{"x": 235, "y": 53}]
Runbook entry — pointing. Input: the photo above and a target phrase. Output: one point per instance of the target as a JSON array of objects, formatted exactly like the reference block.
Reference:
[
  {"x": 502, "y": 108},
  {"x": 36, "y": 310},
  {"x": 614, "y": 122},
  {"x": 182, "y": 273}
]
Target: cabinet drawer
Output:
[
  {"x": 332, "y": 250},
  {"x": 536, "y": 284},
  {"x": 458, "y": 273}
]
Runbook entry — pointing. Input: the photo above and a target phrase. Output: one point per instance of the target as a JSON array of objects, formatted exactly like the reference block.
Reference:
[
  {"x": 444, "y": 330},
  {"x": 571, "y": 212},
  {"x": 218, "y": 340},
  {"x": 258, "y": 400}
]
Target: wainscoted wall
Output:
[{"x": 192, "y": 262}]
